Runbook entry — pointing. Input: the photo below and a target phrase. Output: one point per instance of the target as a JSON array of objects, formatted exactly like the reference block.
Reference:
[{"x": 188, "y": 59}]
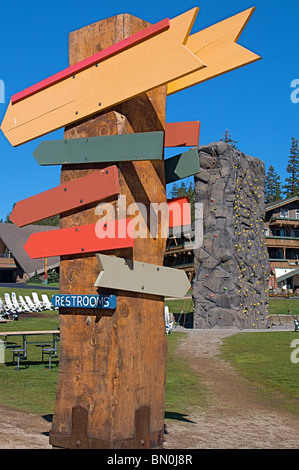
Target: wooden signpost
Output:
[{"x": 112, "y": 101}]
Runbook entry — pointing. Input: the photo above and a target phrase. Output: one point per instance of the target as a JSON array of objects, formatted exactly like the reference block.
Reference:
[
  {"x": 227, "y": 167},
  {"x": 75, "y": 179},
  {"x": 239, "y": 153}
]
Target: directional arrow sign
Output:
[
  {"x": 83, "y": 239},
  {"x": 108, "y": 148},
  {"x": 96, "y": 186},
  {"x": 149, "y": 64},
  {"x": 182, "y": 134},
  {"x": 181, "y": 166},
  {"x": 216, "y": 47},
  {"x": 179, "y": 212},
  {"x": 133, "y": 40},
  {"x": 84, "y": 301},
  {"x": 135, "y": 276}
]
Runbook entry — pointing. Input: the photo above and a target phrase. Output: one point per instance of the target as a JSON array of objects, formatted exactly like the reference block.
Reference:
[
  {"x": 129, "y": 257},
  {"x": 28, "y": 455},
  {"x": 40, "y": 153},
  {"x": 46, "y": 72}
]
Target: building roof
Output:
[
  {"x": 275, "y": 204},
  {"x": 292, "y": 273},
  {"x": 15, "y": 238}
]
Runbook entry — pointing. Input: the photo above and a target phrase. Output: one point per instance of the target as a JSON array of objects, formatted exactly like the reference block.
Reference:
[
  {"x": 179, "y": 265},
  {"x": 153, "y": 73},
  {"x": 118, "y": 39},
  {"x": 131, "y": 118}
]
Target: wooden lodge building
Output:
[{"x": 282, "y": 240}]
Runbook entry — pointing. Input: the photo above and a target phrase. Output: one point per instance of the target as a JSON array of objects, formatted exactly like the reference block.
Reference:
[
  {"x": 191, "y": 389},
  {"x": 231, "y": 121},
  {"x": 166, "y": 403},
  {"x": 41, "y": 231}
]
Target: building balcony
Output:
[
  {"x": 7, "y": 262},
  {"x": 284, "y": 222},
  {"x": 279, "y": 242}
]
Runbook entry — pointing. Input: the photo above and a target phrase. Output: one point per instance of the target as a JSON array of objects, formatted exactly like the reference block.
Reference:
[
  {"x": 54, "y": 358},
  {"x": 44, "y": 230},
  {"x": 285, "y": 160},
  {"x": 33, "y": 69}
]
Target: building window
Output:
[
  {"x": 284, "y": 213},
  {"x": 280, "y": 232},
  {"x": 297, "y": 213}
]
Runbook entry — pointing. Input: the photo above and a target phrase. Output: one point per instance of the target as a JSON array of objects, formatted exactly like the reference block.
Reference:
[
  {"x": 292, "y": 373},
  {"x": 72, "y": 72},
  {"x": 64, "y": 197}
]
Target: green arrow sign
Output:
[
  {"x": 181, "y": 166},
  {"x": 108, "y": 148}
]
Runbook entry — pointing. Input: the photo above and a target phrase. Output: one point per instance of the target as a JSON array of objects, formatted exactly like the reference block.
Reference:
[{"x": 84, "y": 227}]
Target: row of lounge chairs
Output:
[{"x": 11, "y": 306}]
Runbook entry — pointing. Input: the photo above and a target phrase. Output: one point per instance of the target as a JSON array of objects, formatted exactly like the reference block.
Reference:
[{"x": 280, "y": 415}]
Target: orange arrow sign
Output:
[
  {"x": 216, "y": 47},
  {"x": 149, "y": 64},
  {"x": 79, "y": 240}
]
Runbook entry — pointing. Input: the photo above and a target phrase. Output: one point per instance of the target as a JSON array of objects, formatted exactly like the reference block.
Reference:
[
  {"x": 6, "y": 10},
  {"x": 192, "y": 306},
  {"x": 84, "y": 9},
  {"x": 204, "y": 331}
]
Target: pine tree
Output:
[
  {"x": 184, "y": 191},
  {"x": 272, "y": 186},
  {"x": 292, "y": 182},
  {"x": 174, "y": 191},
  {"x": 226, "y": 137}
]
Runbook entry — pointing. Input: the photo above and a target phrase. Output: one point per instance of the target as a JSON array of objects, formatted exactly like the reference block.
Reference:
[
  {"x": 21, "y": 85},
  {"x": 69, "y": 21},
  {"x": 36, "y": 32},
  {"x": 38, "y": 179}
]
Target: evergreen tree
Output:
[
  {"x": 184, "y": 191},
  {"x": 272, "y": 186},
  {"x": 226, "y": 137},
  {"x": 174, "y": 191},
  {"x": 291, "y": 187}
]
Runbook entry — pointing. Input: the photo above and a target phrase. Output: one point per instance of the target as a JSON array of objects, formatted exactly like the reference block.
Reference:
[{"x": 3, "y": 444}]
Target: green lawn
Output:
[
  {"x": 264, "y": 358},
  {"x": 184, "y": 389},
  {"x": 33, "y": 387}
]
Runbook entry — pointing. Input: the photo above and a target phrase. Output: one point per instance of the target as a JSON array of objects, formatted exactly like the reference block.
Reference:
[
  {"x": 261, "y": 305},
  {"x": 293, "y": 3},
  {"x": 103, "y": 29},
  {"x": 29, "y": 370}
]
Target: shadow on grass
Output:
[
  {"x": 25, "y": 364},
  {"x": 177, "y": 416}
]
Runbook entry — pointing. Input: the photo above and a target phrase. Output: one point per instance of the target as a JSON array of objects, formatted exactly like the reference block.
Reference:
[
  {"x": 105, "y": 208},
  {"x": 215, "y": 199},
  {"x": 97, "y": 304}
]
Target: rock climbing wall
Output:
[{"x": 230, "y": 288}]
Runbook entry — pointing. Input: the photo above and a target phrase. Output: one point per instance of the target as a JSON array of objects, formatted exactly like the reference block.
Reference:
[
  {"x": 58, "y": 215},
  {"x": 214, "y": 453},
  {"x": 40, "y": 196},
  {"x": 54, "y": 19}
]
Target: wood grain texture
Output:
[{"x": 113, "y": 365}]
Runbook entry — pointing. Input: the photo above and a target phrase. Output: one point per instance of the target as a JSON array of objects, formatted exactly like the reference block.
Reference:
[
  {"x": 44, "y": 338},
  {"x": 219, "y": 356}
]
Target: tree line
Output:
[{"x": 274, "y": 189}]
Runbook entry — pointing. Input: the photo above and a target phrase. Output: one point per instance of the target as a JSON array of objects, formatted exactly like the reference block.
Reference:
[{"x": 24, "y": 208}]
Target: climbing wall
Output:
[{"x": 231, "y": 267}]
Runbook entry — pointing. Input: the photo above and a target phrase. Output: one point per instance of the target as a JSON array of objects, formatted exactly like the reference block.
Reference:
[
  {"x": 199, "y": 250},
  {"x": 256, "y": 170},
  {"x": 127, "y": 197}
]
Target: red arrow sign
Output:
[
  {"x": 182, "y": 134},
  {"x": 179, "y": 212},
  {"x": 82, "y": 239},
  {"x": 96, "y": 186}
]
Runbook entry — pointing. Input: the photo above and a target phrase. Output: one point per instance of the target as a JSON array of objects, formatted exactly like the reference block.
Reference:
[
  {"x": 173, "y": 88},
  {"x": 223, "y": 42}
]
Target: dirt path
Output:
[{"x": 234, "y": 419}]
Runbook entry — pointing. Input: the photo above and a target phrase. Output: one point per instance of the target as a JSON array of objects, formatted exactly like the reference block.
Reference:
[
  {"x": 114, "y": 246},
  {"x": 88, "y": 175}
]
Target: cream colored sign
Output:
[{"x": 135, "y": 276}]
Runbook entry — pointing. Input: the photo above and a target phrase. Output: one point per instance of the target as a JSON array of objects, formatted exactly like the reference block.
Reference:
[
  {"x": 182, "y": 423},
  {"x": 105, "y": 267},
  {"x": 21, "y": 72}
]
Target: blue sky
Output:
[{"x": 253, "y": 102}]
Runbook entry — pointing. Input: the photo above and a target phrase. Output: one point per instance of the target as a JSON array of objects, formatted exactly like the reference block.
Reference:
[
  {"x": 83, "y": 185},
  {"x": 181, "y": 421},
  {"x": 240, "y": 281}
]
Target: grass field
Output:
[
  {"x": 264, "y": 358},
  {"x": 33, "y": 388}
]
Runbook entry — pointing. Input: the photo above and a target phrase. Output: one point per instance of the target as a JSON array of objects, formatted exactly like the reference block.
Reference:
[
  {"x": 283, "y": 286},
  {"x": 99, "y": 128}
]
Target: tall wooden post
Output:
[{"x": 111, "y": 382}]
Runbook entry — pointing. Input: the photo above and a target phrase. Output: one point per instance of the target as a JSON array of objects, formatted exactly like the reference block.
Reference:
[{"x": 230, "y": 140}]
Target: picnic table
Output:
[{"x": 55, "y": 335}]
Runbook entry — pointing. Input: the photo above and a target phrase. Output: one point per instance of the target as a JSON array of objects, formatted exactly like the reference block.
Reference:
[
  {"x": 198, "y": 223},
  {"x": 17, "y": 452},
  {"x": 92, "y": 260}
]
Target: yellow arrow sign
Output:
[
  {"x": 151, "y": 63},
  {"x": 216, "y": 47}
]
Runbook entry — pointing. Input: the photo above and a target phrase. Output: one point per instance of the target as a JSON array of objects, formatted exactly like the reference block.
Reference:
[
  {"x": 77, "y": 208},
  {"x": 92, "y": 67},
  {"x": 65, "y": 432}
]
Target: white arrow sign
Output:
[{"x": 135, "y": 276}]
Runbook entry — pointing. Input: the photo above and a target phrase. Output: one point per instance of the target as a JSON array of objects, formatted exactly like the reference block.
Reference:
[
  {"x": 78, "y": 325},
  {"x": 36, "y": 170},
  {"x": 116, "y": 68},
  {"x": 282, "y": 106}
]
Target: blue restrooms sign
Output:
[{"x": 84, "y": 301}]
